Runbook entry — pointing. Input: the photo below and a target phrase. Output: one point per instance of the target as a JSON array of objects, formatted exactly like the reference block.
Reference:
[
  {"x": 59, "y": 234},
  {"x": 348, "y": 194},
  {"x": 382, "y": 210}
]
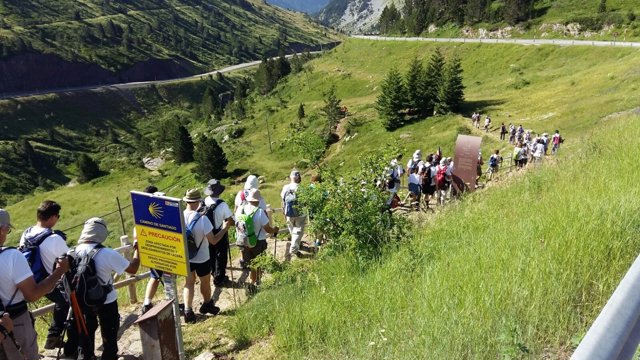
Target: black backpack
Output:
[
  {"x": 84, "y": 280},
  {"x": 210, "y": 214}
]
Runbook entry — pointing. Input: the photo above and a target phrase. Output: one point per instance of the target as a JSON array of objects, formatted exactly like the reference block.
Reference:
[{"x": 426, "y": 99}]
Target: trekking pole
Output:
[
  {"x": 67, "y": 323},
  {"x": 233, "y": 287},
  {"x": 18, "y": 347}
]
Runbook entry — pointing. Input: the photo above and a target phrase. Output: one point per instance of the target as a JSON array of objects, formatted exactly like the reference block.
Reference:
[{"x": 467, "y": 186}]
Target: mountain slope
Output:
[
  {"x": 46, "y": 44},
  {"x": 307, "y": 6},
  {"x": 353, "y": 15}
]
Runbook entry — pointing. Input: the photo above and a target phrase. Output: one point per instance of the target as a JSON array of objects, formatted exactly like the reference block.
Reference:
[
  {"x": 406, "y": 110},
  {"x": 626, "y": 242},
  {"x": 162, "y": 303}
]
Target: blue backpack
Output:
[
  {"x": 191, "y": 241},
  {"x": 290, "y": 202},
  {"x": 31, "y": 251}
]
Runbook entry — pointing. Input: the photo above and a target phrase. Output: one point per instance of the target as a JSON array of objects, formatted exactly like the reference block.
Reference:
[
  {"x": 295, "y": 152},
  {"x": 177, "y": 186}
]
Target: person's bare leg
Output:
[
  {"x": 205, "y": 287},
  {"x": 187, "y": 291}
]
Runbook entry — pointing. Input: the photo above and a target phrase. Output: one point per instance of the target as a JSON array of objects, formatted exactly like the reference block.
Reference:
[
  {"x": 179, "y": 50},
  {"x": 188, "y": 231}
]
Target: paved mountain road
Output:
[{"x": 560, "y": 42}]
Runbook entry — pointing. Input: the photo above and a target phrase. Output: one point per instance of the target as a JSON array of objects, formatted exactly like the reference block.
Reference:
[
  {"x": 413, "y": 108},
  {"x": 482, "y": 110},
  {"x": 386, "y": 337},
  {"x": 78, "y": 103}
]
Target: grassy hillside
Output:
[
  {"x": 523, "y": 274},
  {"x": 117, "y": 34}
]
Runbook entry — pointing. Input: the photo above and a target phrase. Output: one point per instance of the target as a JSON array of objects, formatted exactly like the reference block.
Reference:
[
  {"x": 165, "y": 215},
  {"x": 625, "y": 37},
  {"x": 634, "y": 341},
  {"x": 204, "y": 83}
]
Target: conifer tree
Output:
[
  {"x": 415, "y": 87},
  {"x": 332, "y": 112},
  {"x": 211, "y": 161},
  {"x": 451, "y": 94},
  {"x": 211, "y": 104},
  {"x": 392, "y": 100},
  {"x": 87, "y": 168},
  {"x": 301, "y": 113},
  {"x": 182, "y": 146},
  {"x": 433, "y": 80}
]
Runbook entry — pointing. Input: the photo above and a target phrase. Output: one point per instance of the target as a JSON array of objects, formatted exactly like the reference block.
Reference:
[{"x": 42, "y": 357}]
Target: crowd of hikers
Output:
[
  {"x": 431, "y": 178},
  {"x": 80, "y": 282}
]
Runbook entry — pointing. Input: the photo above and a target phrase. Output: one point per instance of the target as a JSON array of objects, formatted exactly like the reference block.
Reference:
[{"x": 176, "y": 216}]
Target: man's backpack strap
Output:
[
  {"x": 193, "y": 223},
  {"x": 211, "y": 209}
]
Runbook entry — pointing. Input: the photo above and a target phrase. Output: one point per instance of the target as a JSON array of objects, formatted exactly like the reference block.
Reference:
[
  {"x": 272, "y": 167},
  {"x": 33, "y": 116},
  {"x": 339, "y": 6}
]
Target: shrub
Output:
[{"x": 87, "y": 168}]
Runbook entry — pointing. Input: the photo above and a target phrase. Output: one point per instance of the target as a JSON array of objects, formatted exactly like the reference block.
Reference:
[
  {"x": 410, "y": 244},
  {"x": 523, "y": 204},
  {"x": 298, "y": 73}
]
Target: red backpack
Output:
[{"x": 441, "y": 176}]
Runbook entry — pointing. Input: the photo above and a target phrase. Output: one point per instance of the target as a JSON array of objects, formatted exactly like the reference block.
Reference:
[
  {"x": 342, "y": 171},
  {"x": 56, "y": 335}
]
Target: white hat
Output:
[
  {"x": 251, "y": 183},
  {"x": 417, "y": 155},
  {"x": 254, "y": 195}
]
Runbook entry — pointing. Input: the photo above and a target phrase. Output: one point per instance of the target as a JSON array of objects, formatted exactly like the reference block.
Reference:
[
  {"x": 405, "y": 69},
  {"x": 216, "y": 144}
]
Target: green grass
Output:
[{"x": 522, "y": 275}]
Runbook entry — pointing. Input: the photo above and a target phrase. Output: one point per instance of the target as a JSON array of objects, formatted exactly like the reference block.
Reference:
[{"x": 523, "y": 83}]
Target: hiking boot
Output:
[
  {"x": 189, "y": 316},
  {"x": 53, "y": 342},
  {"x": 251, "y": 290},
  {"x": 181, "y": 309},
  {"x": 145, "y": 308},
  {"x": 209, "y": 308},
  {"x": 222, "y": 282}
]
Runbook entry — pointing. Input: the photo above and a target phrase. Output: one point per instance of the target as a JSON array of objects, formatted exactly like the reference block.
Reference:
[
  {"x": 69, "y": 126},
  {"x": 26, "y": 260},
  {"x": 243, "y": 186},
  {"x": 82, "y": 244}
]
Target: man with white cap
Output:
[
  {"x": 221, "y": 218},
  {"x": 414, "y": 162},
  {"x": 261, "y": 228},
  {"x": 17, "y": 286},
  {"x": 295, "y": 219},
  {"x": 107, "y": 261},
  {"x": 202, "y": 231},
  {"x": 241, "y": 196}
]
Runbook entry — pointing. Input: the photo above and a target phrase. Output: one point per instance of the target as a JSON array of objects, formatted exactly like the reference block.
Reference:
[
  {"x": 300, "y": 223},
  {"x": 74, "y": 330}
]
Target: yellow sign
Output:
[{"x": 162, "y": 250}]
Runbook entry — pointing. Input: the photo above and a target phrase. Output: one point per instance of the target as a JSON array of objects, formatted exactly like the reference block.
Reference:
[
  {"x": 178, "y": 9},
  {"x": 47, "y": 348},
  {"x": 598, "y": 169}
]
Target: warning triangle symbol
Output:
[{"x": 143, "y": 233}]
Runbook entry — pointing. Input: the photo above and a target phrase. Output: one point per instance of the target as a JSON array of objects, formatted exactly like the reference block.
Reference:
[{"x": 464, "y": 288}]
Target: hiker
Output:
[
  {"x": 394, "y": 172},
  {"x": 252, "y": 226},
  {"x": 479, "y": 167},
  {"x": 415, "y": 185},
  {"x": 17, "y": 286},
  {"x": 41, "y": 241},
  {"x": 250, "y": 183},
  {"x": 503, "y": 131},
  {"x": 221, "y": 218},
  {"x": 527, "y": 136},
  {"x": 556, "y": 140},
  {"x": 294, "y": 218},
  {"x": 512, "y": 134},
  {"x": 545, "y": 142},
  {"x": 442, "y": 180},
  {"x": 487, "y": 123},
  {"x": 494, "y": 163},
  {"x": 155, "y": 275},
  {"x": 202, "y": 232},
  {"x": 6, "y": 327},
  {"x": 538, "y": 151},
  {"x": 106, "y": 261},
  {"x": 476, "y": 119},
  {"x": 427, "y": 180},
  {"x": 414, "y": 161}
]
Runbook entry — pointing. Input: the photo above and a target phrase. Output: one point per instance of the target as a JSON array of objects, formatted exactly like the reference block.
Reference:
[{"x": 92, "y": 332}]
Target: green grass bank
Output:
[{"x": 518, "y": 271}]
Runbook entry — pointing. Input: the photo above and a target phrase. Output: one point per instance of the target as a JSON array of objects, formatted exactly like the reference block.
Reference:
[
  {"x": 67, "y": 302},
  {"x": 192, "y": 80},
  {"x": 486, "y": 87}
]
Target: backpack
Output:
[
  {"x": 413, "y": 166},
  {"x": 245, "y": 231},
  {"x": 426, "y": 177},
  {"x": 441, "y": 176},
  {"x": 210, "y": 212},
  {"x": 31, "y": 251},
  {"x": 191, "y": 241},
  {"x": 493, "y": 161},
  {"x": 290, "y": 202},
  {"x": 89, "y": 289}
]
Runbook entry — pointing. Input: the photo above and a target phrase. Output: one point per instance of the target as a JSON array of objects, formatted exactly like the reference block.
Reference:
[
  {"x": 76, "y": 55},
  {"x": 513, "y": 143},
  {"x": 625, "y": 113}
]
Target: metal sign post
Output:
[{"x": 162, "y": 245}]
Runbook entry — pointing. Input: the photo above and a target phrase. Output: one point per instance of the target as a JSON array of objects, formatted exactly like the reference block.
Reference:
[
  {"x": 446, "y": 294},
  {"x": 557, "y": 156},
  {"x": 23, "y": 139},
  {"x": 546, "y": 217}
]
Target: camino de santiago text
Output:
[{"x": 158, "y": 225}]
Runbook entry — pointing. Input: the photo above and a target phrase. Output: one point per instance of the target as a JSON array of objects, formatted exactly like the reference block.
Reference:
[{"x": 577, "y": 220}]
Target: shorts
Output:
[
  {"x": 414, "y": 188},
  {"x": 429, "y": 190},
  {"x": 250, "y": 253},
  {"x": 156, "y": 274},
  {"x": 201, "y": 269}
]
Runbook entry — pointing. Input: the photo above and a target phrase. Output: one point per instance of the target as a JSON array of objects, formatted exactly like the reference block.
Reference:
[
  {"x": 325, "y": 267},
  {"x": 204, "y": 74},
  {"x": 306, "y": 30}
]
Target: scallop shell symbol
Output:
[{"x": 155, "y": 210}]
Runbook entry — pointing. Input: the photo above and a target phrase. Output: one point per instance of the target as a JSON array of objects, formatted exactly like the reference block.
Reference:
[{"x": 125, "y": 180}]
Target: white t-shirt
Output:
[
  {"x": 238, "y": 201},
  {"x": 199, "y": 231},
  {"x": 221, "y": 213},
  {"x": 260, "y": 219},
  {"x": 52, "y": 247},
  {"x": 539, "y": 150},
  {"x": 16, "y": 270},
  {"x": 414, "y": 179},
  {"x": 108, "y": 261},
  {"x": 289, "y": 187}
]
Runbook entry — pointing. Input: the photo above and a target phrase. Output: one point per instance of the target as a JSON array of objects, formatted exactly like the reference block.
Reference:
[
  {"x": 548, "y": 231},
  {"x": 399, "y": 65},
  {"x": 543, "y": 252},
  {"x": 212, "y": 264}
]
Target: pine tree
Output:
[
  {"x": 602, "y": 7},
  {"x": 211, "y": 161},
  {"x": 182, "y": 146},
  {"x": 211, "y": 104},
  {"x": 433, "y": 80},
  {"x": 451, "y": 95},
  {"x": 87, "y": 168},
  {"x": 390, "y": 20},
  {"x": 301, "y": 113},
  {"x": 516, "y": 11},
  {"x": 415, "y": 87},
  {"x": 332, "y": 112},
  {"x": 392, "y": 100}
]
